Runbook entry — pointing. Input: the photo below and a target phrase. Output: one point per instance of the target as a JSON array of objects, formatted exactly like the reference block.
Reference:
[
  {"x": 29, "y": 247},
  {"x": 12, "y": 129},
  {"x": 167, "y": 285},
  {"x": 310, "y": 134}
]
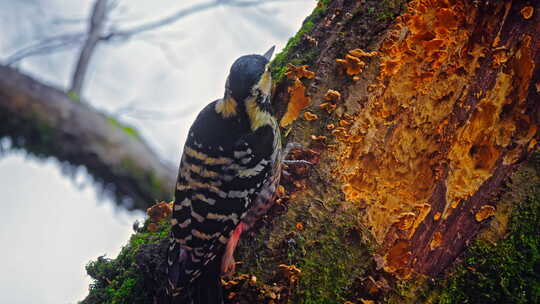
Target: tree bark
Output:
[
  {"x": 426, "y": 129},
  {"x": 45, "y": 122}
]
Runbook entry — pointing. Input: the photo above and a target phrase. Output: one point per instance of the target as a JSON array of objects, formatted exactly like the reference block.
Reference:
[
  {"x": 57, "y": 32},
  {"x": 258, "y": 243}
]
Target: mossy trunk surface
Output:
[{"x": 415, "y": 115}]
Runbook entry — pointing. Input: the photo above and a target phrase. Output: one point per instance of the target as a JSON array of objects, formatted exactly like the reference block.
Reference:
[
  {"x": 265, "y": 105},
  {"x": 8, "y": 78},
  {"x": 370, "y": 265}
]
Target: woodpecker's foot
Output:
[
  {"x": 296, "y": 166},
  {"x": 292, "y": 162},
  {"x": 290, "y": 146},
  {"x": 228, "y": 265}
]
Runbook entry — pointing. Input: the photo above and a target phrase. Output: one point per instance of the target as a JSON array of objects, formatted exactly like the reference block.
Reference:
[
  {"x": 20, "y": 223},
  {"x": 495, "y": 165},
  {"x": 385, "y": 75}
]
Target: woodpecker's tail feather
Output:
[
  {"x": 204, "y": 290},
  {"x": 207, "y": 289}
]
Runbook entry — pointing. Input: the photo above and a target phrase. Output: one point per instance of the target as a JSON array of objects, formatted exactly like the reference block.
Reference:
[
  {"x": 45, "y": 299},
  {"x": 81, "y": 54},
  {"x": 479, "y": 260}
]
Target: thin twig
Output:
[
  {"x": 46, "y": 46},
  {"x": 153, "y": 25},
  {"x": 61, "y": 42},
  {"x": 94, "y": 33}
]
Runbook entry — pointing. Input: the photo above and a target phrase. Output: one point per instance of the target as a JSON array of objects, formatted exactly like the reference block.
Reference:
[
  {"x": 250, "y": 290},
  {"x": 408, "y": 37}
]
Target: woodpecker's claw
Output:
[
  {"x": 228, "y": 265},
  {"x": 290, "y": 146},
  {"x": 296, "y": 162}
]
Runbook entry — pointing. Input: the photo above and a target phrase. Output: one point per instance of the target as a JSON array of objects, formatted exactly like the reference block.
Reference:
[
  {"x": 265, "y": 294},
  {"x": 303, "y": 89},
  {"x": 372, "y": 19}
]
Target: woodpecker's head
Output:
[
  {"x": 248, "y": 89},
  {"x": 248, "y": 74}
]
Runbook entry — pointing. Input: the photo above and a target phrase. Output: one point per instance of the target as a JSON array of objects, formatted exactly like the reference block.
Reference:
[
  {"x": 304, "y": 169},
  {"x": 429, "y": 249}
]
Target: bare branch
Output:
[
  {"x": 161, "y": 115},
  {"x": 47, "y": 46},
  {"x": 61, "y": 42},
  {"x": 94, "y": 33},
  {"x": 153, "y": 25}
]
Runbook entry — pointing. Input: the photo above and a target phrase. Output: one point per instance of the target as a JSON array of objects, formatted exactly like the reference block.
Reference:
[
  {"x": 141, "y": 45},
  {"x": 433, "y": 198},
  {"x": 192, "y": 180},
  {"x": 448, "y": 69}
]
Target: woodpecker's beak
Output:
[{"x": 269, "y": 53}]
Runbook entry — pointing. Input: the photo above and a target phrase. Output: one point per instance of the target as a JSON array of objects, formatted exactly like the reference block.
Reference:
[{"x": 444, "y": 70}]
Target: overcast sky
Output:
[{"x": 52, "y": 224}]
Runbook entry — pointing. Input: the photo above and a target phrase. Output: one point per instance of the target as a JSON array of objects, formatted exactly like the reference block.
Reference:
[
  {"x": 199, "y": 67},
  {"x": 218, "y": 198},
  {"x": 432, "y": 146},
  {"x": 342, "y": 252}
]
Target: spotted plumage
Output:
[{"x": 228, "y": 174}]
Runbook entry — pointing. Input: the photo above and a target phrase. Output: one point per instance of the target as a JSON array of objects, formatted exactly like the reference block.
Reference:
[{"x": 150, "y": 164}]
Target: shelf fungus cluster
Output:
[
  {"x": 156, "y": 213},
  {"x": 447, "y": 117},
  {"x": 298, "y": 100},
  {"x": 354, "y": 63}
]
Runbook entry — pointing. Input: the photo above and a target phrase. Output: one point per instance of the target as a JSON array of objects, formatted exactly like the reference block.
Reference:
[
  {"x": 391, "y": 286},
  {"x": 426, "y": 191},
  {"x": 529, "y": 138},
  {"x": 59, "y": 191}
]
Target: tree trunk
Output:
[{"x": 427, "y": 128}]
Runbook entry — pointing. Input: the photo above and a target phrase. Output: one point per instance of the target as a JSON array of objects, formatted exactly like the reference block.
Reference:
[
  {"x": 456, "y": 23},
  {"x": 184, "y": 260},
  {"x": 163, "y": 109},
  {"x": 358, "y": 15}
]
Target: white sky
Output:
[{"x": 49, "y": 227}]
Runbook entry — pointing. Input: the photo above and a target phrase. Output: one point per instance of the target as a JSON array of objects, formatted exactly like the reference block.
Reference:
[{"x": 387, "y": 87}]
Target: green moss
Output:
[
  {"x": 507, "y": 272},
  {"x": 388, "y": 10},
  {"x": 127, "y": 129},
  {"x": 329, "y": 267},
  {"x": 324, "y": 3},
  {"x": 386, "y": 15},
  {"x": 73, "y": 96},
  {"x": 279, "y": 64},
  {"x": 119, "y": 280},
  {"x": 329, "y": 250},
  {"x": 503, "y": 264}
]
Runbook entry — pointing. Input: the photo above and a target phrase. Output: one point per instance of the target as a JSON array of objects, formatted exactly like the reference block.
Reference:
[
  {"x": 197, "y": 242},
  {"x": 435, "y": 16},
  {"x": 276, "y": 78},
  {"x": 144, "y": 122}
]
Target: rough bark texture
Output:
[
  {"x": 453, "y": 109},
  {"x": 46, "y": 122},
  {"x": 427, "y": 129}
]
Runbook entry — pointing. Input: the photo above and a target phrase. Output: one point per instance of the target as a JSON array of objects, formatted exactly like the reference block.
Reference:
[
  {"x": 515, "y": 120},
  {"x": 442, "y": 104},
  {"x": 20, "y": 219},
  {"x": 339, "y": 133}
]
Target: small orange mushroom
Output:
[
  {"x": 159, "y": 211},
  {"x": 406, "y": 220},
  {"x": 436, "y": 241},
  {"x": 152, "y": 227},
  {"x": 310, "y": 116},
  {"x": 344, "y": 123},
  {"x": 280, "y": 191},
  {"x": 485, "y": 212},
  {"x": 297, "y": 102},
  {"x": 328, "y": 106},
  {"x": 318, "y": 138},
  {"x": 361, "y": 53},
  {"x": 294, "y": 72},
  {"x": 352, "y": 65},
  {"x": 527, "y": 12},
  {"x": 332, "y": 95}
]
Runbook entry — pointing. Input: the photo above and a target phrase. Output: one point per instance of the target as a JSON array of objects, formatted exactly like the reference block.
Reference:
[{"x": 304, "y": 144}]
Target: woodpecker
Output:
[{"x": 229, "y": 171}]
